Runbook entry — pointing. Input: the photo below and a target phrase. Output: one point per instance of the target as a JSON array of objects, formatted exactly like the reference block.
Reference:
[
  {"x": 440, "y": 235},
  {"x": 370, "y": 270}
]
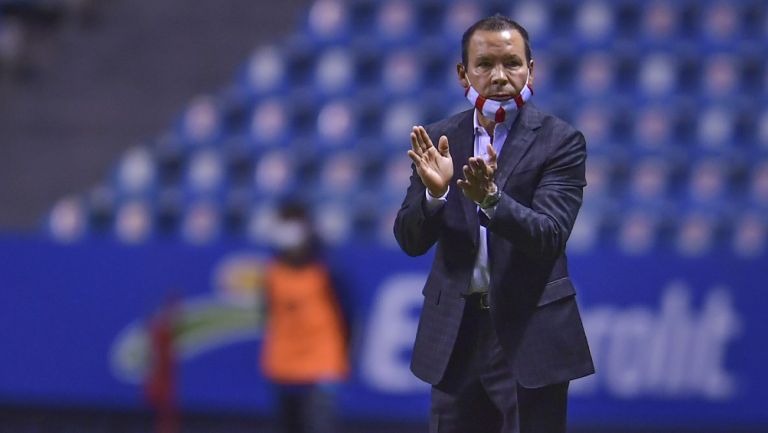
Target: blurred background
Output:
[{"x": 146, "y": 147}]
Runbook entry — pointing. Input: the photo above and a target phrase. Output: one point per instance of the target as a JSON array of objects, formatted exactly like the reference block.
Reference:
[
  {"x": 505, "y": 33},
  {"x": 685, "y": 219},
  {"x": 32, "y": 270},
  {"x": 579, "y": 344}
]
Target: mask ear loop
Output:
[
  {"x": 466, "y": 77},
  {"x": 528, "y": 78}
]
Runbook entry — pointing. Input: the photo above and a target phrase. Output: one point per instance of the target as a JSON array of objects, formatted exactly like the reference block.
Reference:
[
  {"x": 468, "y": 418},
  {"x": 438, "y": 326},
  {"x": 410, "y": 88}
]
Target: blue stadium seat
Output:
[
  {"x": 653, "y": 132},
  {"x": 340, "y": 175},
  {"x": 595, "y": 75},
  {"x": 395, "y": 176},
  {"x": 134, "y": 221},
  {"x": 259, "y": 220},
  {"x": 653, "y": 127},
  {"x": 274, "y": 174},
  {"x": 334, "y": 73},
  {"x": 534, "y": 16},
  {"x": 270, "y": 123},
  {"x": 638, "y": 231},
  {"x": 594, "y": 23},
  {"x": 697, "y": 233},
  {"x": 398, "y": 119},
  {"x": 720, "y": 78},
  {"x": 67, "y": 221},
  {"x": 749, "y": 234},
  {"x": 648, "y": 186},
  {"x": 336, "y": 124},
  {"x": 396, "y": 23},
  {"x": 586, "y": 233},
  {"x": 201, "y": 122},
  {"x": 402, "y": 72},
  {"x": 136, "y": 173},
  {"x": 205, "y": 174},
  {"x": 264, "y": 73},
  {"x": 596, "y": 123},
  {"x": 716, "y": 128},
  {"x": 707, "y": 187},
  {"x": 327, "y": 22},
  {"x": 657, "y": 77},
  {"x": 660, "y": 24},
  {"x": 334, "y": 221},
  {"x": 458, "y": 16},
  {"x": 201, "y": 223},
  {"x": 719, "y": 25}
]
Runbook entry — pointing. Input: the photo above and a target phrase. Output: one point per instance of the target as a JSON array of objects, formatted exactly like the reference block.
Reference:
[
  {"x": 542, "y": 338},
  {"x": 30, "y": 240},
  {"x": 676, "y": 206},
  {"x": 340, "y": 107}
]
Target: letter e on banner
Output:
[{"x": 390, "y": 335}]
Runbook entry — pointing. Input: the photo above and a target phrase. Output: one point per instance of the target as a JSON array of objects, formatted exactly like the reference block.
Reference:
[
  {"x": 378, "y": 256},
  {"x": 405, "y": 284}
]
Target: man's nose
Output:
[{"x": 498, "y": 77}]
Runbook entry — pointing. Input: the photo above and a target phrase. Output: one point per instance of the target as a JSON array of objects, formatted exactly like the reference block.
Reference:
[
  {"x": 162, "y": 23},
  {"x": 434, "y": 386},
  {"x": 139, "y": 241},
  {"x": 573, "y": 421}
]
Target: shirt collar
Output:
[{"x": 506, "y": 124}]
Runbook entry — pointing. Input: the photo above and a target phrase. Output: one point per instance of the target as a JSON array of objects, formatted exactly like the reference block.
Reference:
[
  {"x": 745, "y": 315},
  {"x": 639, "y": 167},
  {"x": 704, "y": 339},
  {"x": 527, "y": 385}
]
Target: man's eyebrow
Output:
[{"x": 484, "y": 56}]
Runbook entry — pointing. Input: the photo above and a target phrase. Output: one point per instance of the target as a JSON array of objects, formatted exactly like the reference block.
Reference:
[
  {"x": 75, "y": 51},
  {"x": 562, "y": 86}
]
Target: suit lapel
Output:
[
  {"x": 518, "y": 141},
  {"x": 462, "y": 142},
  {"x": 516, "y": 145}
]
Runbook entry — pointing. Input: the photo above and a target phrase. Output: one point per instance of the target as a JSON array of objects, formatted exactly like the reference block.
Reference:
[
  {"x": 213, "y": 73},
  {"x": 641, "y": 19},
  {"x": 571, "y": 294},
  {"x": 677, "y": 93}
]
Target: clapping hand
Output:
[
  {"x": 434, "y": 165},
  {"x": 479, "y": 174}
]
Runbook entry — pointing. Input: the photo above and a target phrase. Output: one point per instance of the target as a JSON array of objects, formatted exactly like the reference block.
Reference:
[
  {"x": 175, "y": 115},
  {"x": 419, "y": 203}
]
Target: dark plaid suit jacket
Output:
[{"x": 533, "y": 306}]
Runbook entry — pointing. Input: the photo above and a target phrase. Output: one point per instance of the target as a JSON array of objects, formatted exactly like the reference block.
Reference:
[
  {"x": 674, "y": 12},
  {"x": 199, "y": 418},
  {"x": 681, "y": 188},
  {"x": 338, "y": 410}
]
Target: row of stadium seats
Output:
[
  {"x": 597, "y": 22},
  {"x": 210, "y": 171},
  {"x": 670, "y": 96},
  {"x": 640, "y": 230},
  {"x": 643, "y": 73},
  {"x": 347, "y": 122}
]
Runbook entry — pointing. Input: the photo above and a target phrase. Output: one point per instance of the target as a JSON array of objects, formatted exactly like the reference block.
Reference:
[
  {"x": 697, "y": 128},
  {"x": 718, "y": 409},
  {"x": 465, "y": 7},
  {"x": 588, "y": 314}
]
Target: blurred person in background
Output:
[
  {"x": 160, "y": 384},
  {"x": 497, "y": 188},
  {"x": 304, "y": 352}
]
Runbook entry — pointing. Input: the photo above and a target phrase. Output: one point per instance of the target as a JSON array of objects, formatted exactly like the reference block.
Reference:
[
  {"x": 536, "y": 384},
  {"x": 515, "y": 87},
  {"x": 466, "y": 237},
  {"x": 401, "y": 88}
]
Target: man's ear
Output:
[
  {"x": 530, "y": 76},
  {"x": 462, "y": 71}
]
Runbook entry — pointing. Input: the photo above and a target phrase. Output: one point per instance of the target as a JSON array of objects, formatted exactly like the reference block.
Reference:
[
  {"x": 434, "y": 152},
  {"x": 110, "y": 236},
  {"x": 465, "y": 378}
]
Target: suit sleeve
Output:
[
  {"x": 417, "y": 229},
  {"x": 542, "y": 230}
]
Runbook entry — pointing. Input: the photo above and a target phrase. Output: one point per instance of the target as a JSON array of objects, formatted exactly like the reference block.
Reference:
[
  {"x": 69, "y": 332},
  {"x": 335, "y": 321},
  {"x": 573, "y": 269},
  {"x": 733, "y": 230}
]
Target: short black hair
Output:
[{"x": 495, "y": 23}]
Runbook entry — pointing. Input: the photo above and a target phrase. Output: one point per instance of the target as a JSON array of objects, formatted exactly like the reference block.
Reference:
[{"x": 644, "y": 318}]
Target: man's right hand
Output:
[{"x": 433, "y": 164}]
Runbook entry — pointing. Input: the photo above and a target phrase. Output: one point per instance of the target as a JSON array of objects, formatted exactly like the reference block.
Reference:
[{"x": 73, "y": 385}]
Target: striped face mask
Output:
[{"x": 497, "y": 110}]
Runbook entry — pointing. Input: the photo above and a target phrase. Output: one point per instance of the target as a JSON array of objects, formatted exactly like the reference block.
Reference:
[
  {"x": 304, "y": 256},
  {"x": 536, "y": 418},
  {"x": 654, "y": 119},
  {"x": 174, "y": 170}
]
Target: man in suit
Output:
[{"x": 500, "y": 335}]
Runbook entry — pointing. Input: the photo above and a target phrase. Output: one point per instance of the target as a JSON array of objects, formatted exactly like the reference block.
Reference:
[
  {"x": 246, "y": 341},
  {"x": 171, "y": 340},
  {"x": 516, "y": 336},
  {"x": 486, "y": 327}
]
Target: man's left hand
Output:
[{"x": 478, "y": 176}]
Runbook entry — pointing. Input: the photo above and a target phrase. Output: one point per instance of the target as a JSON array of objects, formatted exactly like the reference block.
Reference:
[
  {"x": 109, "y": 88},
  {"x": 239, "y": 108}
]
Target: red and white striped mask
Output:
[{"x": 497, "y": 110}]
